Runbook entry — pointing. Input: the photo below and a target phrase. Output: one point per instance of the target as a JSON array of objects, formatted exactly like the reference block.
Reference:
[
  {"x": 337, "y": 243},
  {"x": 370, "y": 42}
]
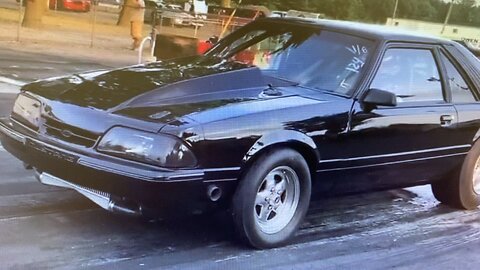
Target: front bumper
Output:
[{"x": 123, "y": 180}]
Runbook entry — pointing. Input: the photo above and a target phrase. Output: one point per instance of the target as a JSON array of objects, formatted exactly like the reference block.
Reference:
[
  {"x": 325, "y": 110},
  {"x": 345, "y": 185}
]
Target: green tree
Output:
[
  {"x": 425, "y": 11},
  {"x": 379, "y": 10},
  {"x": 356, "y": 11},
  {"x": 464, "y": 11}
]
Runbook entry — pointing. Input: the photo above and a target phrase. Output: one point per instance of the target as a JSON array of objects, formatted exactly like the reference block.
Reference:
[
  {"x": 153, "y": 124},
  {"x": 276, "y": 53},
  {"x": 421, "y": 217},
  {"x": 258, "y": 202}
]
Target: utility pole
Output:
[
  {"x": 394, "y": 16},
  {"x": 447, "y": 18}
]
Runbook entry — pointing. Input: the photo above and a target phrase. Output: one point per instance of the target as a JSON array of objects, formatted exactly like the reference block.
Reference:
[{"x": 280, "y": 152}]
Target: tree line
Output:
[{"x": 464, "y": 12}]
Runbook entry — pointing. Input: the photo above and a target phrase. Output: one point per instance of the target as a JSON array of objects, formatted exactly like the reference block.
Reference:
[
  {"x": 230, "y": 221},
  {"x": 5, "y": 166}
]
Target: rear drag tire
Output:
[{"x": 459, "y": 190}]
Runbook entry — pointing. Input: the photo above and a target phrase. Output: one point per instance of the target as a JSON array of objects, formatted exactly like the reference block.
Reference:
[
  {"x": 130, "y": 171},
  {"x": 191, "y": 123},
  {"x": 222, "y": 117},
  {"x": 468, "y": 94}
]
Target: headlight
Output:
[
  {"x": 28, "y": 110},
  {"x": 155, "y": 149}
]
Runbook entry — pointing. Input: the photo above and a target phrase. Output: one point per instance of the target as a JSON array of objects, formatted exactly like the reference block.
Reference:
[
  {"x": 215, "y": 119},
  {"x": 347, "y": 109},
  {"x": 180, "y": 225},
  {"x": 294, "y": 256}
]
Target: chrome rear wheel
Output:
[{"x": 476, "y": 177}]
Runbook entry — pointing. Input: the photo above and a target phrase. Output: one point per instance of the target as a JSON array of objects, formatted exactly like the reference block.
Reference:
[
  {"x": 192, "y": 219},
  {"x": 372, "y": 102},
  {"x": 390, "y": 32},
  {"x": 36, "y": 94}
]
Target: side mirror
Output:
[{"x": 377, "y": 97}]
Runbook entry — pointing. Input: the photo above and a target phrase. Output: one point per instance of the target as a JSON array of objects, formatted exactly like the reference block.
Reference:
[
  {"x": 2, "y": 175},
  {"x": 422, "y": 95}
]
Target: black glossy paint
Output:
[{"x": 227, "y": 113}]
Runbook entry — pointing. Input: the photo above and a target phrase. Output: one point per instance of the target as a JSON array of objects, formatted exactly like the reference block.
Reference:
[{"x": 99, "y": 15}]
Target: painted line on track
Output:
[
  {"x": 10, "y": 86},
  {"x": 9, "y": 89},
  {"x": 12, "y": 81}
]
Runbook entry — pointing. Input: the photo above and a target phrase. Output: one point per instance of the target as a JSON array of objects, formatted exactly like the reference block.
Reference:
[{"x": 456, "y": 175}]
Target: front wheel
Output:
[{"x": 272, "y": 198}]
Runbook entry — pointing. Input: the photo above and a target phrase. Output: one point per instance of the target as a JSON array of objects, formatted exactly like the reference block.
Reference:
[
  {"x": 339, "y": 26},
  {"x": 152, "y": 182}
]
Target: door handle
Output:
[{"x": 446, "y": 120}]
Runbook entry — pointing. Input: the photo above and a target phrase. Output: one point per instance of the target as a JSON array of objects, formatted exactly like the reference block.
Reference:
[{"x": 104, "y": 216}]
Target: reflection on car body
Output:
[{"x": 277, "y": 111}]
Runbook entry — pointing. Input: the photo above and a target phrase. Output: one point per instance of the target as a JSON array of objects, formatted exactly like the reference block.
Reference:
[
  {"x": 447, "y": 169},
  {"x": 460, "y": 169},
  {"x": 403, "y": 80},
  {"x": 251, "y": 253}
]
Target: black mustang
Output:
[{"x": 276, "y": 111}]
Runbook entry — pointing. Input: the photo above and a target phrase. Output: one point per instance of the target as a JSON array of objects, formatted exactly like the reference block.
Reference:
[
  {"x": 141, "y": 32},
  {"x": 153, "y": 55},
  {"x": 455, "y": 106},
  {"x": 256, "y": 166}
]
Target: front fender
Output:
[{"x": 284, "y": 137}]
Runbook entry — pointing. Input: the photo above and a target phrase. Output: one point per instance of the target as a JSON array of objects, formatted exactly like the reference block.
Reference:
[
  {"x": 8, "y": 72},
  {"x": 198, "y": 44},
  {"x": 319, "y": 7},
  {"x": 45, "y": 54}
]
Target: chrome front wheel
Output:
[
  {"x": 272, "y": 198},
  {"x": 277, "y": 199}
]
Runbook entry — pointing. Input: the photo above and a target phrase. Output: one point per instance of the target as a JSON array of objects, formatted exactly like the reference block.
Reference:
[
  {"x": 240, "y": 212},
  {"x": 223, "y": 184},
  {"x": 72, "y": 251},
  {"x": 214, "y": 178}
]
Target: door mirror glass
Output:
[{"x": 378, "y": 97}]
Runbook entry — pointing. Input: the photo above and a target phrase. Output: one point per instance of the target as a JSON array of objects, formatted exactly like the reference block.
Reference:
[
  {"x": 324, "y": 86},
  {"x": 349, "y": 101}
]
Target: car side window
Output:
[
  {"x": 411, "y": 74},
  {"x": 461, "y": 92}
]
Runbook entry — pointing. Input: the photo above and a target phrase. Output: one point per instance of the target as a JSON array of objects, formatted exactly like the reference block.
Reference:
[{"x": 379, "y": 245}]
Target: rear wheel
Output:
[
  {"x": 272, "y": 198},
  {"x": 462, "y": 190}
]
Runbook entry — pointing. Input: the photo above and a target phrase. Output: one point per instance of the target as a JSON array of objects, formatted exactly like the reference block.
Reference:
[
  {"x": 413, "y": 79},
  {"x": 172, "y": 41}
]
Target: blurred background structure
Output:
[{"x": 97, "y": 24}]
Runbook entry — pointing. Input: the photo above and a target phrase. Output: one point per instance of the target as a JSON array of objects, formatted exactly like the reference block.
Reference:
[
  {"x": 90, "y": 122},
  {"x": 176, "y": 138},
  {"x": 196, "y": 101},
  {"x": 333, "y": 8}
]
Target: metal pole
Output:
[
  {"x": 153, "y": 31},
  {"x": 19, "y": 26},
  {"x": 161, "y": 24},
  {"x": 394, "y": 16},
  {"x": 140, "y": 49},
  {"x": 94, "y": 22},
  {"x": 447, "y": 18}
]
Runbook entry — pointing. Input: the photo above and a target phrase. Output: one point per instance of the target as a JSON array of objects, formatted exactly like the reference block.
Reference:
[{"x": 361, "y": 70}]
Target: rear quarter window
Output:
[
  {"x": 469, "y": 62},
  {"x": 460, "y": 89}
]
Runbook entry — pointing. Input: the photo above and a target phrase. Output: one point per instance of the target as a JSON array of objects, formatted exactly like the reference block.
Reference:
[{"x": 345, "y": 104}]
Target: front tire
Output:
[
  {"x": 272, "y": 198},
  {"x": 463, "y": 189}
]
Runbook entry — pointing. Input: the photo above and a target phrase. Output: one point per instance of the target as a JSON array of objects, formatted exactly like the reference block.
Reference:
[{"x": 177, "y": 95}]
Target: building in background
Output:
[{"x": 455, "y": 32}]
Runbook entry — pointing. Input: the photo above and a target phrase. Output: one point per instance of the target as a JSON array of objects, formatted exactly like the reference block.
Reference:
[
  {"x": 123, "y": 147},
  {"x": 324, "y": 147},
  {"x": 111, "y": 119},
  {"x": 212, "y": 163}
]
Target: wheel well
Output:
[{"x": 308, "y": 154}]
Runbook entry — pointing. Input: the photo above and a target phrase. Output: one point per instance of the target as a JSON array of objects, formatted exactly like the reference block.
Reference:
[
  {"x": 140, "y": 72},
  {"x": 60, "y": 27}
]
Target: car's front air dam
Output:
[
  {"x": 102, "y": 199},
  {"x": 159, "y": 193}
]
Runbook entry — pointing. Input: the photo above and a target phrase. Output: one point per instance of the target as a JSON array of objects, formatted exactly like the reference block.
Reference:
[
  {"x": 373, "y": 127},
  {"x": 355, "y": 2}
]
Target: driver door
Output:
[{"x": 410, "y": 143}]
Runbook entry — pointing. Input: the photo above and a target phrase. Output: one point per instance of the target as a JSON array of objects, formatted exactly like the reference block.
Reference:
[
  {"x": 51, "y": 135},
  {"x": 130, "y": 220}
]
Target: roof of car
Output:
[{"x": 380, "y": 32}]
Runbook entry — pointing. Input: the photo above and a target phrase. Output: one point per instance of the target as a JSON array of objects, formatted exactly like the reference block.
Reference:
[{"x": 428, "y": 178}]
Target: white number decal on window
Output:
[
  {"x": 355, "y": 65},
  {"x": 357, "y": 49}
]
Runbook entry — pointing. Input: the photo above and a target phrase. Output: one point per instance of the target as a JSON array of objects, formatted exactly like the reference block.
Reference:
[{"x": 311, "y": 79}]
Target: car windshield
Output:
[{"x": 315, "y": 58}]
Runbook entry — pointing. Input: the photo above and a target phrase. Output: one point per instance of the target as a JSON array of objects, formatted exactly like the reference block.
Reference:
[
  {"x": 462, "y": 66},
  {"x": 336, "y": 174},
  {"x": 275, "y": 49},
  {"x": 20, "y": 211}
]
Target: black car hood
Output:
[
  {"x": 106, "y": 90},
  {"x": 160, "y": 92}
]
